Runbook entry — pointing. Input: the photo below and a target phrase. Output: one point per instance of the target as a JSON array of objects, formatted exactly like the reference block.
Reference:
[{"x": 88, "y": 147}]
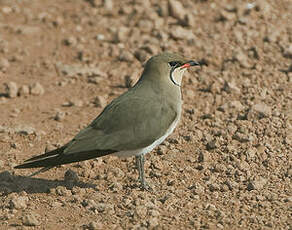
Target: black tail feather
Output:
[{"x": 57, "y": 157}]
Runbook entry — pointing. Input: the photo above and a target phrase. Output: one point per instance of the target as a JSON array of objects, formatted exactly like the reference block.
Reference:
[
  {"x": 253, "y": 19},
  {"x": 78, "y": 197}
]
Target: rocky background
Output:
[{"x": 227, "y": 165}]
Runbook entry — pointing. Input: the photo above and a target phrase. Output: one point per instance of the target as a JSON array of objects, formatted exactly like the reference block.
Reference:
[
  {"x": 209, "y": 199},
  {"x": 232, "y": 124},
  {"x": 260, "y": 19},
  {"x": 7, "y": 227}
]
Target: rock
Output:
[
  {"x": 31, "y": 219},
  {"x": 141, "y": 55},
  {"x": 60, "y": 116},
  {"x": 11, "y": 89},
  {"x": 71, "y": 176},
  {"x": 242, "y": 58},
  {"x": 141, "y": 211},
  {"x": 126, "y": 56},
  {"x": 261, "y": 109},
  {"x": 23, "y": 90},
  {"x": 4, "y": 64},
  {"x": 100, "y": 37},
  {"x": 257, "y": 184},
  {"x": 108, "y": 5},
  {"x": 122, "y": 34},
  {"x": 19, "y": 202},
  {"x": 71, "y": 41},
  {"x": 99, "y": 101},
  {"x": 287, "y": 52},
  {"x": 37, "y": 89},
  {"x": 95, "y": 226},
  {"x": 76, "y": 102},
  {"x": 153, "y": 222},
  {"x": 62, "y": 191},
  {"x": 176, "y": 9},
  {"x": 211, "y": 145},
  {"x": 145, "y": 26},
  {"x": 180, "y": 33},
  {"x": 236, "y": 105},
  {"x": 24, "y": 129},
  {"x": 204, "y": 157}
]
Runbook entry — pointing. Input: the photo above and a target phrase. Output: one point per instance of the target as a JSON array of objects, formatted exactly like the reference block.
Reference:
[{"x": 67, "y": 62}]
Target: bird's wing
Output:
[{"x": 127, "y": 123}]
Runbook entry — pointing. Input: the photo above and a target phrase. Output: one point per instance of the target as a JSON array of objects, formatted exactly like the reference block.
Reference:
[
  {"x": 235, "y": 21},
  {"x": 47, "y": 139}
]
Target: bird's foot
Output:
[{"x": 145, "y": 186}]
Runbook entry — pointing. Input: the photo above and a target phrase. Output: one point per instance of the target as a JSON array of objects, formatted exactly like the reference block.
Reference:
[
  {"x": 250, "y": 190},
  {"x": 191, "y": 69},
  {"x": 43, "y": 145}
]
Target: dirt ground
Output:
[{"x": 226, "y": 166}]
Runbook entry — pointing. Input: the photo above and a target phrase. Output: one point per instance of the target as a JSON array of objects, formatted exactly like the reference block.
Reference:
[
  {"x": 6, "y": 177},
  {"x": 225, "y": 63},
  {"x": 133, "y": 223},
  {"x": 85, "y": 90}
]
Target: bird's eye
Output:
[{"x": 173, "y": 63}]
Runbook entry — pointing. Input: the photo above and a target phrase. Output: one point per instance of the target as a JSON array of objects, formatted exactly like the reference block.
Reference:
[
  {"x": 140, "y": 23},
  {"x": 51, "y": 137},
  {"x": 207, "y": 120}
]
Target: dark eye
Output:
[{"x": 173, "y": 63}]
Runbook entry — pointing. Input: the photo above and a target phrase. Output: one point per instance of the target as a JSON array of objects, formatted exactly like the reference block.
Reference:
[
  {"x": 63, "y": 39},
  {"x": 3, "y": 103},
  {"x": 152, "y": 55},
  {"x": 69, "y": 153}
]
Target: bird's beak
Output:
[{"x": 189, "y": 64}]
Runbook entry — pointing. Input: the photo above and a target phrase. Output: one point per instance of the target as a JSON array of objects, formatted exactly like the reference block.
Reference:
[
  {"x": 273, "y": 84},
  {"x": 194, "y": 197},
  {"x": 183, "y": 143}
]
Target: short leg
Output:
[{"x": 140, "y": 160}]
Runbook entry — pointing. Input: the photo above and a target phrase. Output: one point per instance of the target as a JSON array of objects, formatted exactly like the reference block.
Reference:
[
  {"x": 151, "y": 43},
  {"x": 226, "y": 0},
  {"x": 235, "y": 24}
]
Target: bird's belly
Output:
[{"x": 137, "y": 152}]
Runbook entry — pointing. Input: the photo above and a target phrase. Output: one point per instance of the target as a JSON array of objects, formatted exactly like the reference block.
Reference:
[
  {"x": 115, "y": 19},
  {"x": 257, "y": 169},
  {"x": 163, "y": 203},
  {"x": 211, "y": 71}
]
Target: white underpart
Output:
[
  {"x": 149, "y": 148},
  {"x": 177, "y": 75}
]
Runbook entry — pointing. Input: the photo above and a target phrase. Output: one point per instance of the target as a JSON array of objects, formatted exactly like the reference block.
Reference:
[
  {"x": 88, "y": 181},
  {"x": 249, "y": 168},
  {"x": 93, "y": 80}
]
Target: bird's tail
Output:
[{"x": 57, "y": 157}]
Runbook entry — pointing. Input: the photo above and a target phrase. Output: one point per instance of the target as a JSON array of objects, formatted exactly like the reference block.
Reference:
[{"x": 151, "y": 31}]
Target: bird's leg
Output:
[{"x": 140, "y": 160}]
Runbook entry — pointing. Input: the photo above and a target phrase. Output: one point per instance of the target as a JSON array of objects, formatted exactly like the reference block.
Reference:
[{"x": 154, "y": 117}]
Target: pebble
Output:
[
  {"x": 71, "y": 176},
  {"x": 23, "y": 90},
  {"x": 176, "y": 9},
  {"x": 4, "y": 64},
  {"x": 99, "y": 101},
  {"x": 242, "y": 58},
  {"x": 287, "y": 52},
  {"x": 262, "y": 110},
  {"x": 95, "y": 226},
  {"x": 37, "y": 89},
  {"x": 60, "y": 116},
  {"x": 63, "y": 191},
  {"x": 180, "y": 33},
  {"x": 75, "y": 102},
  {"x": 71, "y": 41},
  {"x": 11, "y": 89},
  {"x": 24, "y": 129},
  {"x": 19, "y": 202},
  {"x": 31, "y": 219}
]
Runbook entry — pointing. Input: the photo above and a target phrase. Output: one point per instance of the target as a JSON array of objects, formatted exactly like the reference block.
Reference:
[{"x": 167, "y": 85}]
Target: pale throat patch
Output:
[{"x": 177, "y": 75}]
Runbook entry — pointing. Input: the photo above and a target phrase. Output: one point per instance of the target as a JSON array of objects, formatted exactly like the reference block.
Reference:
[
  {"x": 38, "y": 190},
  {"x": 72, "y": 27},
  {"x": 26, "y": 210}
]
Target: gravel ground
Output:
[{"x": 227, "y": 165}]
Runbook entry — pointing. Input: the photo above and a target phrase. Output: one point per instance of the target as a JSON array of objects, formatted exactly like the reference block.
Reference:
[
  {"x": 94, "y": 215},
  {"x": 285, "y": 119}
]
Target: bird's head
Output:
[{"x": 167, "y": 67}]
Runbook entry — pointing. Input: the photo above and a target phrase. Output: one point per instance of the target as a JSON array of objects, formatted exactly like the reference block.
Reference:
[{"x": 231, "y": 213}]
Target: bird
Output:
[{"x": 132, "y": 124}]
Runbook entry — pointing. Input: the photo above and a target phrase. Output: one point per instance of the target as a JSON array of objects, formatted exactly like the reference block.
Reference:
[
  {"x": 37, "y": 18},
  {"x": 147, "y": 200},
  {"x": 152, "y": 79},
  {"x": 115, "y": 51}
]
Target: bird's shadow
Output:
[{"x": 10, "y": 183}]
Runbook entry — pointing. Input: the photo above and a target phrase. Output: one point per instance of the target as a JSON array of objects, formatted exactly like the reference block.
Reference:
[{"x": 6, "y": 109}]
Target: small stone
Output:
[
  {"x": 60, "y": 116},
  {"x": 62, "y": 191},
  {"x": 180, "y": 33},
  {"x": 262, "y": 110},
  {"x": 11, "y": 89},
  {"x": 141, "y": 211},
  {"x": 76, "y": 102},
  {"x": 95, "y": 226},
  {"x": 145, "y": 26},
  {"x": 37, "y": 89},
  {"x": 242, "y": 58},
  {"x": 108, "y": 5},
  {"x": 236, "y": 104},
  {"x": 100, "y": 37},
  {"x": 176, "y": 9},
  {"x": 31, "y": 219},
  {"x": 141, "y": 55},
  {"x": 71, "y": 41},
  {"x": 19, "y": 202},
  {"x": 71, "y": 176},
  {"x": 1, "y": 164},
  {"x": 126, "y": 56},
  {"x": 288, "y": 51},
  {"x": 99, "y": 101},
  {"x": 23, "y": 90},
  {"x": 4, "y": 64},
  {"x": 24, "y": 129},
  {"x": 153, "y": 222},
  {"x": 211, "y": 145},
  {"x": 122, "y": 34}
]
